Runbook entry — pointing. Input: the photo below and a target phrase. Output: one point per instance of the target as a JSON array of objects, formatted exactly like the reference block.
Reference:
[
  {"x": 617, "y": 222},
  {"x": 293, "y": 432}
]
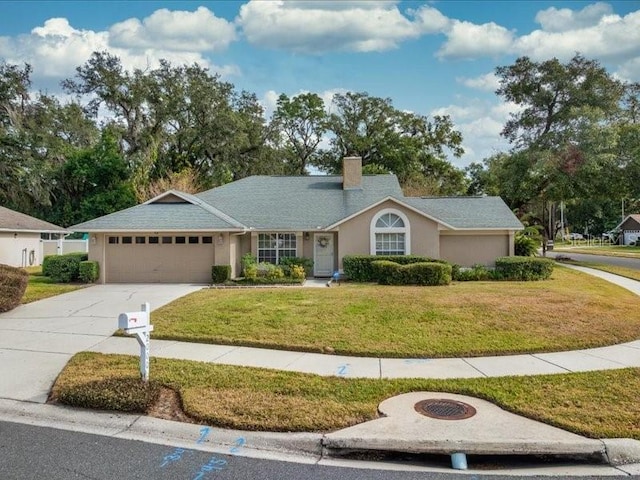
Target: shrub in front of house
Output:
[
  {"x": 419, "y": 273},
  {"x": 426, "y": 273},
  {"x": 359, "y": 267},
  {"x": 13, "y": 283},
  {"x": 474, "y": 274},
  {"x": 270, "y": 271},
  {"x": 386, "y": 271},
  {"x": 220, "y": 273},
  {"x": 63, "y": 268},
  {"x": 288, "y": 262},
  {"x": 523, "y": 268},
  {"x": 525, "y": 246},
  {"x": 88, "y": 271},
  {"x": 297, "y": 272}
]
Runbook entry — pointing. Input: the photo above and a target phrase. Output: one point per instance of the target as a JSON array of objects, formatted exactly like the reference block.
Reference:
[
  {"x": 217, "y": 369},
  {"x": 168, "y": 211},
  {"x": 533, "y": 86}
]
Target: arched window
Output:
[{"x": 390, "y": 233}]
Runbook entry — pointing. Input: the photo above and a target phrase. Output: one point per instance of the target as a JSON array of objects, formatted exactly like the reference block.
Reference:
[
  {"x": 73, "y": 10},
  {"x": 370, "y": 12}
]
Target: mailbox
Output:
[{"x": 131, "y": 320}]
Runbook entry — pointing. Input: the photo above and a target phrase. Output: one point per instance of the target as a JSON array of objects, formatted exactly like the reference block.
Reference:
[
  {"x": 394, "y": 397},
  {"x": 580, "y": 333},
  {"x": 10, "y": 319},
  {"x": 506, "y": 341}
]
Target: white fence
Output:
[{"x": 60, "y": 247}]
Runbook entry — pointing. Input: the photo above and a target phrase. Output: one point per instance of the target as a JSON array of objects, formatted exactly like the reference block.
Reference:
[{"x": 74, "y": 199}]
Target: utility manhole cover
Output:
[{"x": 445, "y": 409}]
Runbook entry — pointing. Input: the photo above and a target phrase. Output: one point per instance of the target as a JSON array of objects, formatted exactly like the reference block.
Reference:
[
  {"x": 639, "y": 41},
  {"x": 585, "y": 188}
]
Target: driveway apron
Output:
[{"x": 37, "y": 339}]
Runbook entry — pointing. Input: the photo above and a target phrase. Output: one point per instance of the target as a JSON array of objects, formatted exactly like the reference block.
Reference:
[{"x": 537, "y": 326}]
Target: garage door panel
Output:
[{"x": 159, "y": 263}]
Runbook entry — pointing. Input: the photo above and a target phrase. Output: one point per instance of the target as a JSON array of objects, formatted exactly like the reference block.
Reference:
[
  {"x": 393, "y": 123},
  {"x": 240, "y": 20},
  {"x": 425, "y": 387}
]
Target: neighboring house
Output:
[
  {"x": 630, "y": 229},
  {"x": 20, "y": 238},
  {"x": 177, "y": 237}
]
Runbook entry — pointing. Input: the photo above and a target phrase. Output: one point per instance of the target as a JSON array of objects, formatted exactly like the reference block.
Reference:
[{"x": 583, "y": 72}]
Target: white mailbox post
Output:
[{"x": 137, "y": 323}]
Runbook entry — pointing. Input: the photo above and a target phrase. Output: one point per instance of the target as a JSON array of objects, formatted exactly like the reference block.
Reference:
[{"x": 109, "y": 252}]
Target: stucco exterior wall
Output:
[
  {"x": 16, "y": 248},
  {"x": 354, "y": 237},
  {"x": 470, "y": 248}
]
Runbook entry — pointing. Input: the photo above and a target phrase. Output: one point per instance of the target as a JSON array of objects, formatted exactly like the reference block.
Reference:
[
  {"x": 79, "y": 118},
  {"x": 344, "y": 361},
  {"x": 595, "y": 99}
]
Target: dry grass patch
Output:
[
  {"x": 570, "y": 311},
  {"x": 595, "y": 404}
]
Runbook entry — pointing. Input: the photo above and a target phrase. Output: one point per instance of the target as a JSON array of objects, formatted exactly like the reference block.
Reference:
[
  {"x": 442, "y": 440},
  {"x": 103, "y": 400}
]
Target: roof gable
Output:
[{"x": 631, "y": 222}]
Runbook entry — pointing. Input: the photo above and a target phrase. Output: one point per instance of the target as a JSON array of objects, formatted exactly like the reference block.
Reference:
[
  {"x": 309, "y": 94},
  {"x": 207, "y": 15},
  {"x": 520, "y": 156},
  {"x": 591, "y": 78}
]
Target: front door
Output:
[{"x": 323, "y": 255}]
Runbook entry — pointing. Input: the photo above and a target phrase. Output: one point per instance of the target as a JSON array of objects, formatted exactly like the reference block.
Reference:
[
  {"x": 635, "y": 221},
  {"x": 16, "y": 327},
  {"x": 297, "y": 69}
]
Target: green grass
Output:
[
  {"x": 609, "y": 250},
  {"x": 595, "y": 404},
  {"x": 615, "y": 269},
  {"x": 40, "y": 287},
  {"x": 570, "y": 311}
]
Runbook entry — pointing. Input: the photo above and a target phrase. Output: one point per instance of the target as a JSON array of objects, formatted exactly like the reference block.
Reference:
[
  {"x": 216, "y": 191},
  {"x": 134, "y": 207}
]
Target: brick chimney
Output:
[{"x": 352, "y": 173}]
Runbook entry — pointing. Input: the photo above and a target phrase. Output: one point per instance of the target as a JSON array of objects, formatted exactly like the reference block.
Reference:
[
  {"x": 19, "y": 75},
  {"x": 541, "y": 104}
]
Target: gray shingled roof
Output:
[
  {"x": 157, "y": 217},
  {"x": 13, "y": 221},
  {"x": 297, "y": 203},
  {"x": 467, "y": 212}
]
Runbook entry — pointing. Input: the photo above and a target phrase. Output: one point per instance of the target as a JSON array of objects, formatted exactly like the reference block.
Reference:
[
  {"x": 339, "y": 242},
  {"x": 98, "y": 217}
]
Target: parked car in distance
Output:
[{"x": 574, "y": 236}]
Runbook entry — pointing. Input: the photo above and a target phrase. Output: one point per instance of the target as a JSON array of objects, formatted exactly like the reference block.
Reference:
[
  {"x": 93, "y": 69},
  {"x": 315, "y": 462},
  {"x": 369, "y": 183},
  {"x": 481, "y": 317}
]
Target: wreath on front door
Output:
[{"x": 323, "y": 242}]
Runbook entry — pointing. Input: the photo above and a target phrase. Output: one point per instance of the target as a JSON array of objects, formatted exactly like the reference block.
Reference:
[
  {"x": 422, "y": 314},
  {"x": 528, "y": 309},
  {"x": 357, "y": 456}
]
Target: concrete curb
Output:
[
  {"x": 622, "y": 451},
  {"x": 299, "y": 447}
]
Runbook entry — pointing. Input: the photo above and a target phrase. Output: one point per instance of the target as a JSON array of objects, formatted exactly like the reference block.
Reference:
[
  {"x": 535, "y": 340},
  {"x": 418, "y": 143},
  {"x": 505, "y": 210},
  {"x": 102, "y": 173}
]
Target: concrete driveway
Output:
[{"x": 37, "y": 339}]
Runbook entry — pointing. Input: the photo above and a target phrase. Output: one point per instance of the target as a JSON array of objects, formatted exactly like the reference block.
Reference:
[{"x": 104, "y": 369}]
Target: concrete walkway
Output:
[
  {"x": 39, "y": 338},
  {"x": 603, "y": 358}
]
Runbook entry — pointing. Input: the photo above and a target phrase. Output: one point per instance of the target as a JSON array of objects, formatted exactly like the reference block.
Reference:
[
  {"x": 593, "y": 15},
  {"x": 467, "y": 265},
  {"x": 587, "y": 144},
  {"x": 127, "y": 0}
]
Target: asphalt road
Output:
[
  {"x": 618, "y": 261},
  {"x": 30, "y": 452}
]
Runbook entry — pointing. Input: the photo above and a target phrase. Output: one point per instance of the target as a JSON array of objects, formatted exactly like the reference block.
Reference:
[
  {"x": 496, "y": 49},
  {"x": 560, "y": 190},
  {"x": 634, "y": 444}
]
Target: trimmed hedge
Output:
[
  {"x": 220, "y": 273},
  {"x": 523, "y": 268},
  {"x": 420, "y": 273},
  {"x": 88, "y": 271},
  {"x": 63, "y": 268},
  {"x": 359, "y": 267},
  {"x": 13, "y": 283},
  {"x": 124, "y": 394}
]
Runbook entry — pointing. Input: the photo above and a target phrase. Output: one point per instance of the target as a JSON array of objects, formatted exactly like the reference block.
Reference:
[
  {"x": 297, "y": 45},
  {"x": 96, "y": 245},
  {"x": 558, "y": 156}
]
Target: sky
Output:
[{"x": 428, "y": 57}]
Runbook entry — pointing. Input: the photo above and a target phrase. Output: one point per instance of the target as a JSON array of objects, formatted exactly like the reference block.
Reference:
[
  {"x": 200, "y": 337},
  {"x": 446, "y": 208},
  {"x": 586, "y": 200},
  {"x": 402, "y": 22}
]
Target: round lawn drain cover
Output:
[{"x": 445, "y": 409}]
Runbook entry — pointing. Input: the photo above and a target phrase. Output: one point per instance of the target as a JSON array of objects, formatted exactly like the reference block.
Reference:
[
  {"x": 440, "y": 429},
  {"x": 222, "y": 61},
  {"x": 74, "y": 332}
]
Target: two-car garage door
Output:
[{"x": 184, "y": 258}]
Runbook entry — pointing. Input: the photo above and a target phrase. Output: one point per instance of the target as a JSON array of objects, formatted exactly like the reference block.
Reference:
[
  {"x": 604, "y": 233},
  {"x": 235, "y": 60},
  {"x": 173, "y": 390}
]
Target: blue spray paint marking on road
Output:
[
  {"x": 240, "y": 442},
  {"x": 342, "y": 369},
  {"x": 415, "y": 361},
  {"x": 174, "y": 456},
  {"x": 204, "y": 433},
  {"x": 215, "y": 464}
]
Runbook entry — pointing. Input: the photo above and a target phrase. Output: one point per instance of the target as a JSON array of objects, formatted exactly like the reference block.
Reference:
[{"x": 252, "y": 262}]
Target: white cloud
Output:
[
  {"x": 487, "y": 82},
  {"x": 56, "y": 48},
  {"x": 469, "y": 40},
  {"x": 564, "y": 19},
  {"x": 480, "y": 123},
  {"x": 612, "y": 38},
  {"x": 196, "y": 31},
  {"x": 315, "y": 27},
  {"x": 431, "y": 20}
]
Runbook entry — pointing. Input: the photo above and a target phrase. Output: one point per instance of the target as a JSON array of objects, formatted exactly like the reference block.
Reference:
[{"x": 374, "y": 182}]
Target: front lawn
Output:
[
  {"x": 572, "y": 310},
  {"x": 40, "y": 287},
  {"x": 595, "y": 404}
]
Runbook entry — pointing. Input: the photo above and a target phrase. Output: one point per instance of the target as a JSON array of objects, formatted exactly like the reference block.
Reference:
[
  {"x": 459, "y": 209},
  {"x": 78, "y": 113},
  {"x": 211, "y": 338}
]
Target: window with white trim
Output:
[
  {"x": 390, "y": 233},
  {"x": 274, "y": 246}
]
